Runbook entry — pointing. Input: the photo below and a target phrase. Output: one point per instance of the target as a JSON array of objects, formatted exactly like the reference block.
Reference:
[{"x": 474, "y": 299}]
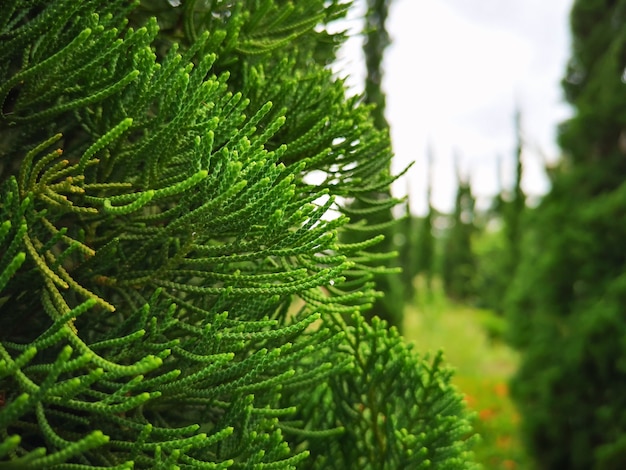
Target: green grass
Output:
[{"x": 482, "y": 364}]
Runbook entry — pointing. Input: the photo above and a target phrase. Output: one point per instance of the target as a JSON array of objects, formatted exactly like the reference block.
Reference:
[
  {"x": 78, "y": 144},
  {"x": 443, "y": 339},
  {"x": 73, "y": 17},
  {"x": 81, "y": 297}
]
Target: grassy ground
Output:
[{"x": 483, "y": 367}]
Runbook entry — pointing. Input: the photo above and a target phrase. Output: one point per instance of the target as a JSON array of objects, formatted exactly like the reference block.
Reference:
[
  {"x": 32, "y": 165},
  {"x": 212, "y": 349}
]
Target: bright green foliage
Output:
[
  {"x": 171, "y": 283},
  {"x": 567, "y": 300},
  {"x": 401, "y": 409}
]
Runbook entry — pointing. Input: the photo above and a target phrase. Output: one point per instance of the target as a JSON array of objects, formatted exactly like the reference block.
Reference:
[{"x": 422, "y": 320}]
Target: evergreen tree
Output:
[
  {"x": 172, "y": 290},
  {"x": 458, "y": 265},
  {"x": 497, "y": 248},
  {"x": 566, "y": 303},
  {"x": 514, "y": 209},
  {"x": 407, "y": 234},
  {"x": 371, "y": 213},
  {"x": 376, "y": 42},
  {"x": 426, "y": 240}
]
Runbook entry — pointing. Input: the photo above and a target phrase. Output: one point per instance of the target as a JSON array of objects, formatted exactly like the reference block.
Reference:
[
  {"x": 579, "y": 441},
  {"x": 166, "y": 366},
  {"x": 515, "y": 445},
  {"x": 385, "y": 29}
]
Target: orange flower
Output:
[
  {"x": 503, "y": 442},
  {"x": 486, "y": 414},
  {"x": 469, "y": 400},
  {"x": 501, "y": 389},
  {"x": 509, "y": 464}
]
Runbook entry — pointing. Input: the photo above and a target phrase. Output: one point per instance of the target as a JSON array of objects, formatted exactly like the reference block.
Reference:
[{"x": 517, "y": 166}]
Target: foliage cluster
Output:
[
  {"x": 566, "y": 303},
  {"x": 557, "y": 271},
  {"x": 173, "y": 290},
  {"x": 458, "y": 262},
  {"x": 483, "y": 366},
  {"x": 375, "y": 208}
]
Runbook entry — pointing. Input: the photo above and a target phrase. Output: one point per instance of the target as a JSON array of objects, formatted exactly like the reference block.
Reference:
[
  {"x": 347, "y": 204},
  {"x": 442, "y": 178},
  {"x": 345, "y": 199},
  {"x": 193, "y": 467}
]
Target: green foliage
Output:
[
  {"x": 497, "y": 245},
  {"x": 423, "y": 244},
  {"x": 376, "y": 41},
  {"x": 513, "y": 209},
  {"x": 493, "y": 266},
  {"x": 157, "y": 228},
  {"x": 482, "y": 364},
  {"x": 399, "y": 410},
  {"x": 566, "y": 317},
  {"x": 566, "y": 302},
  {"x": 371, "y": 213},
  {"x": 458, "y": 263}
]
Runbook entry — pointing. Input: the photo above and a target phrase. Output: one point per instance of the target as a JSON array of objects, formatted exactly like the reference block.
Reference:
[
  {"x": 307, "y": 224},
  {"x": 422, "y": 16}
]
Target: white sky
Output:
[{"x": 454, "y": 73}]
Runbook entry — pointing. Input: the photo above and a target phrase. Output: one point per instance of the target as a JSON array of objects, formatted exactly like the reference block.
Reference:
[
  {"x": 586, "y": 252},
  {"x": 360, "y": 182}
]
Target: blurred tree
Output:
[
  {"x": 513, "y": 209},
  {"x": 417, "y": 251},
  {"x": 376, "y": 41},
  {"x": 458, "y": 264},
  {"x": 407, "y": 238},
  {"x": 497, "y": 246},
  {"x": 375, "y": 206},
  {"x": 566, "y": 302},
  {"x": 426, "y": 241}
]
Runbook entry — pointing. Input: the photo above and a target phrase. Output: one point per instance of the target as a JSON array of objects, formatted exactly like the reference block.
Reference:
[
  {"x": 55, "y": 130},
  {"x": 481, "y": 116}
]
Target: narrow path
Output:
[{"x": 482, "y": 370}]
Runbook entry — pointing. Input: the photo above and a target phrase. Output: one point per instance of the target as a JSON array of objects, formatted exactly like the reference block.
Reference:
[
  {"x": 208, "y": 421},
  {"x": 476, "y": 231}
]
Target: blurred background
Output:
[
  {"x": 455, "y": 73},
  {"x": 511, "y": 232}
]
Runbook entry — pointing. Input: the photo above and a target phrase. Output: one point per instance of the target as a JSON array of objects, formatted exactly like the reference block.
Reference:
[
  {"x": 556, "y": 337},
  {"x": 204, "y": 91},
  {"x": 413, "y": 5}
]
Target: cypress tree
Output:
[
  {"x": 426, "y": 240},
  {"x": 458, "y": 265},
  {"x": 407, "y": 236},
  {"x": 566, "y": 302},
  {"x": 371, "y": 213},
  {"x": 497, "y": 249},
  {"x": 172, "y": 290},
  {"x": 376, "y": 42},
  {"x": 513, "y": 211}
]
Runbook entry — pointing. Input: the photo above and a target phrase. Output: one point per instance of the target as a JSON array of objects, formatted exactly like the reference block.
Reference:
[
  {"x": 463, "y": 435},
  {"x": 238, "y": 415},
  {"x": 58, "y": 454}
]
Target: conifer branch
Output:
[{"x": 183, "y": 281}]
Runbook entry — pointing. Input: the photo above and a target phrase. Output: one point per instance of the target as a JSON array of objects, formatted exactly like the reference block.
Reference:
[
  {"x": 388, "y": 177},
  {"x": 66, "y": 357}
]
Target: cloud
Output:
[{"x": 454, "y": 75}]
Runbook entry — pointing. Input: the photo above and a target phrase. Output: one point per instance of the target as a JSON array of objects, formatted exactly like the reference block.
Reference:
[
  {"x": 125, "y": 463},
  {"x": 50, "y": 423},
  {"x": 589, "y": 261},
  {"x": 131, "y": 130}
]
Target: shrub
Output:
[
  {"x": 172, "y": 290},
  {"x": 566, "y": 301}
]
